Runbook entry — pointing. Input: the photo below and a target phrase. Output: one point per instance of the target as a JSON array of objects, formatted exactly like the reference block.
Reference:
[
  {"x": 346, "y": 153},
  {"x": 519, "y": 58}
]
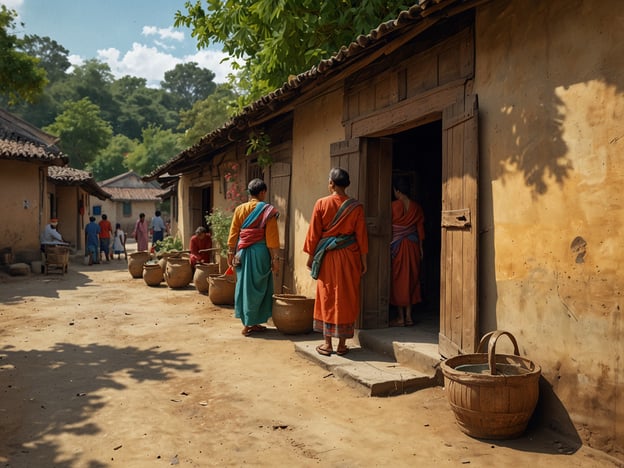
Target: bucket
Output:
[
  {"x": 293, "y": 314},
  {"x": 492, "y": 395}
]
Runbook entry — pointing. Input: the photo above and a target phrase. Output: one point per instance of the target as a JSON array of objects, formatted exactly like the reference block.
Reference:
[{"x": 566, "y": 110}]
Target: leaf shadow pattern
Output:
[{"x": 61, "y": 388}]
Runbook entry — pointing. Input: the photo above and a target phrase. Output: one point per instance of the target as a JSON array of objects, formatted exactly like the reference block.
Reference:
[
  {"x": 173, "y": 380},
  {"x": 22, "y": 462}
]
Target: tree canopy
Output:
[
  {"x": 83, "y": 132},
  {"x": 278, "y": 38},
  {"x": 21, "y": 76},
  {"x": 189, "y": 83}
]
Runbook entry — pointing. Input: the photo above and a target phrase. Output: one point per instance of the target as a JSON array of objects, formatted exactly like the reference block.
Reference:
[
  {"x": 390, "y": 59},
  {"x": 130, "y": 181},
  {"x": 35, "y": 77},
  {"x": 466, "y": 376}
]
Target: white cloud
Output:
[
  {"x": 151, "y": 63},
  {"x": 12, "y": 4},
  {"x": 212, "y": 60},
  {"x": 163, "y": 33}
]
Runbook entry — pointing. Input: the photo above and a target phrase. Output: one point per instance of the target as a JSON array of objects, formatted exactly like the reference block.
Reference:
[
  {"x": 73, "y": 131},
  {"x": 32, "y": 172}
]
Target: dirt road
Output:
[{"x": 99, "y": 370}]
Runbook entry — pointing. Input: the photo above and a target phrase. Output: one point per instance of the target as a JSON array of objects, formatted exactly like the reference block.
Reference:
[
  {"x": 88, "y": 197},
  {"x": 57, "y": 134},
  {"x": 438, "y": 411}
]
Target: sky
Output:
[{"x": 134, "y": 37}]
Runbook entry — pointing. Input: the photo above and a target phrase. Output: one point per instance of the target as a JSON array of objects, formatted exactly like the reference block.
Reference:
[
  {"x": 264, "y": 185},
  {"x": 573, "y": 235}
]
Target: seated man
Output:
[{"x": 51, "y": 236}]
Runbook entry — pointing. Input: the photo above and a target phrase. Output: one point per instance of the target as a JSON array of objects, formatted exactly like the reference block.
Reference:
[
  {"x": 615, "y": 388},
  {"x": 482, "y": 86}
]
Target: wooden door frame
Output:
[{"x": 456, "y": 107}]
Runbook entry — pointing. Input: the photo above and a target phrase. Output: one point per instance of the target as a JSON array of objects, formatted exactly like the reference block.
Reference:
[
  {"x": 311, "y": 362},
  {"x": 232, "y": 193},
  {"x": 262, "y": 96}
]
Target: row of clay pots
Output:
[
  {"x": 292, "y": 314},
  {"x": 176, "y": 271}
]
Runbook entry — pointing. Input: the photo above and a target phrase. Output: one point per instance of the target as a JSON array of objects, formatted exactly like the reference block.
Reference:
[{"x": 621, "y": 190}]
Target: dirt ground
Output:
[{"x": 99, "y": 370}]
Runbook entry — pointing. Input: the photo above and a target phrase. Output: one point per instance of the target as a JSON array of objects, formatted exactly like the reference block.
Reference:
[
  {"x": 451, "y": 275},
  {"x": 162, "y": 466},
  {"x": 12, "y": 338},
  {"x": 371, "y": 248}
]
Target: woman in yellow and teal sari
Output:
[{"x": 253, "y": 248}]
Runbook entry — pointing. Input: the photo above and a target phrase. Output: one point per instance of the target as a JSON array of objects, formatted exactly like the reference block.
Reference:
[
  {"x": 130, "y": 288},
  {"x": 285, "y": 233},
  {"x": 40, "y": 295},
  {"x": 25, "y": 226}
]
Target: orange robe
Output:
[
  {"x": 405, "y": 288},
  {"x": 338, "y": 285}
]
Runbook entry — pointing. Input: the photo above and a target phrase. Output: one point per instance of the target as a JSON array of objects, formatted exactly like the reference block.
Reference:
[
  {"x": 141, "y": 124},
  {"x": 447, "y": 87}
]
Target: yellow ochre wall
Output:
[{"x": 550, "y": 81}]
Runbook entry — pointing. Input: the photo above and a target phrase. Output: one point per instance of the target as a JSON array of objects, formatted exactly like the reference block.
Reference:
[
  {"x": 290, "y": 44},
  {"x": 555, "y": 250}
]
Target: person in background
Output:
[
  {"x": 106, "y": 231},
  {"x": 140, "y": 233},
  {"x": 119, "y": 243},
  {"x": 406, "y": 251},
  {"x": 158, "y": 228},
  {"x": 337, "y": 248},
  {"x": 253, "y": 248},
  {"x": 201, "y": 247},
  {"x": 50, "y": 235},
  {"x": 92, "y": 241}
]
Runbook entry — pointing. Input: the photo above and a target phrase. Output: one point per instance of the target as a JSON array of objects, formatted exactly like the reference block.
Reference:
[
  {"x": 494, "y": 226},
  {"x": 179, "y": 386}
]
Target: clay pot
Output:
[
  {"x": 293, "y": 314},
  {"x": 221, "y": 289},
  {"x": 136, "y": 261},
  {"x": 200, "y": 278},
  {"x": 152, "y": 274},
  {"x": 178, "y": 273}
]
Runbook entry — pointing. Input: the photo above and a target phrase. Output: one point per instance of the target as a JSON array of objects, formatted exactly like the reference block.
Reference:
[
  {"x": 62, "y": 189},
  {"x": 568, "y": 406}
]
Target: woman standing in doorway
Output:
[{"x": 406, "y": 250}]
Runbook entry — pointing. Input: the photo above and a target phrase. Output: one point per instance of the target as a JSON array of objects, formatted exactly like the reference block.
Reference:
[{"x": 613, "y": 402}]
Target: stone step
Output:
[
  {"x": 413, "y": 347},
  {"x": 370, "y": 372}
]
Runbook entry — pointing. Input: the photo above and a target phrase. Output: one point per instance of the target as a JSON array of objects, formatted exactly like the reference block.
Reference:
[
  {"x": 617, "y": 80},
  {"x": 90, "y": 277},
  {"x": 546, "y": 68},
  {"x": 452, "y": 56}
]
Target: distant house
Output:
[
  {"x": 130, "y": 196},
  {"x": 72, "y": 190},
  {"x": 26, "y": 152}
]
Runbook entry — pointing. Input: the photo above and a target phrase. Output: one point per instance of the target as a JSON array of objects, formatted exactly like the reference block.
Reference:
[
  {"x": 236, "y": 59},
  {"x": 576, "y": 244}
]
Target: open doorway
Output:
[{"x": 417, "y": 155}]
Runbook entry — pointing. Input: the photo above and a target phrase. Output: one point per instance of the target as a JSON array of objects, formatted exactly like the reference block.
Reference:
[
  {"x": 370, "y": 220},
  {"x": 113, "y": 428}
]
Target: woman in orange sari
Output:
[
  {"x": 337, "y": 245},
  {"x": 408, "y": 233}
]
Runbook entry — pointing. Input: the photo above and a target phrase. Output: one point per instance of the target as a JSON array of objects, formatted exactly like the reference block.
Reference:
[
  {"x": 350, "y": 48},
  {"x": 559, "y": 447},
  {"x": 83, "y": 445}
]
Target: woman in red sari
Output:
[
  {"x": 337, "y": 245},
  {"x": 408, "y": 233}
]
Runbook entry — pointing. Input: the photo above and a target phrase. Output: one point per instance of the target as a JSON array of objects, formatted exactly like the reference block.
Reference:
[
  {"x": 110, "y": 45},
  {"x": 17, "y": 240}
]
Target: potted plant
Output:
[{"x": 219, "y": 223}]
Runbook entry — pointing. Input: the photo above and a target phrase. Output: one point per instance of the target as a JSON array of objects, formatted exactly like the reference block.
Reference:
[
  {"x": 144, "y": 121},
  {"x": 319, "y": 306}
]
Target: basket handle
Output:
[{"x": 491, "y": 338}]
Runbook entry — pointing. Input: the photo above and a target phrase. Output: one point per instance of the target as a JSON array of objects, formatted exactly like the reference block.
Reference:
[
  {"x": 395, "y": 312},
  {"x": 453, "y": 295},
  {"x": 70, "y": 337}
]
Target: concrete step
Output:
[
  {"x": 369, "y": 372},
  {"x": 414, "y": 347}
]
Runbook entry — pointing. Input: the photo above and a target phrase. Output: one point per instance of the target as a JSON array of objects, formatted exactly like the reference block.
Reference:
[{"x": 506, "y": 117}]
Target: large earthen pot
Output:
[
  {"x": 152, "y": 274},
  {"x": 221, "y": 289},
  {"x": 200, "y": 277},
  {"x": 292, "y": 313},
  {"x": 178, "y": 273},
  {"x": 136, "y": 260}
]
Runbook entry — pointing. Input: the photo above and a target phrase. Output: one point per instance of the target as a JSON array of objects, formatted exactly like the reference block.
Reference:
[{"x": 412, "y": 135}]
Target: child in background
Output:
[{"x": 119, "y": 244}]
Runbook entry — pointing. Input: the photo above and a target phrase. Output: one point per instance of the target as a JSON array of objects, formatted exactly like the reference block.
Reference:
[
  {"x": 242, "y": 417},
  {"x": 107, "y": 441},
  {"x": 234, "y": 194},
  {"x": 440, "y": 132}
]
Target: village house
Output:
[
  {"x": 69, "y": 193},
  {"x": 507, "y": 117},
  {"x": 130, "y": 196},
  {"x": 36, "y": 185}
]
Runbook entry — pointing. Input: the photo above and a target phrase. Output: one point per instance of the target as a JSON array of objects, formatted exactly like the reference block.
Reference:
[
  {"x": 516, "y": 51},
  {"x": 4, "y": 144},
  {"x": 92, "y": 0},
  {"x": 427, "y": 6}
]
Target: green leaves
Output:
[
  {"x": 278, "y": 38},
  {"x": 82, "y": 131},
  {"x": 21, "y": 76},
  {"x": 219, "y": 223}
]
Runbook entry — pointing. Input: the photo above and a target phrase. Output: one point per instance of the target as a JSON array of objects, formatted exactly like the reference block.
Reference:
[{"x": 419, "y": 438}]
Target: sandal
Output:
[
  {"x": 396, "y": 323},
  {"x": 323, "y": 351},
  {"x": 247, "y": 331},
  {"x": 258, "y": 328},
  {"x": 342, "y": 351}
]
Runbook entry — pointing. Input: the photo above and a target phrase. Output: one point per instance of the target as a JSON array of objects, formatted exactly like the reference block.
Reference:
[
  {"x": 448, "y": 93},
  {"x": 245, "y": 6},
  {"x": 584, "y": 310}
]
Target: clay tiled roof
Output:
[
  {"x": 135, "y": 194},
  {"x": 130, "y": 187},
  {"x": 70, "y": 176},
  {"x": 22, "y": 141},
  {"x": 423, "y": 12}
]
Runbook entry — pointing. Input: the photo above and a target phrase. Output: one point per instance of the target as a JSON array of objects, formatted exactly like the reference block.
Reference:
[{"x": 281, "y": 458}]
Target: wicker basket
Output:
[{"x": 492, "y": 395}]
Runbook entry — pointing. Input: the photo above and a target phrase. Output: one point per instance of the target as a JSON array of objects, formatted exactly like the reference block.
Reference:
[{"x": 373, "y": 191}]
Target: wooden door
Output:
[
  {"x": 369, "y": 163},
  {"x": 279, "y": 188},
  {"x": 458, "y": 278}
]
